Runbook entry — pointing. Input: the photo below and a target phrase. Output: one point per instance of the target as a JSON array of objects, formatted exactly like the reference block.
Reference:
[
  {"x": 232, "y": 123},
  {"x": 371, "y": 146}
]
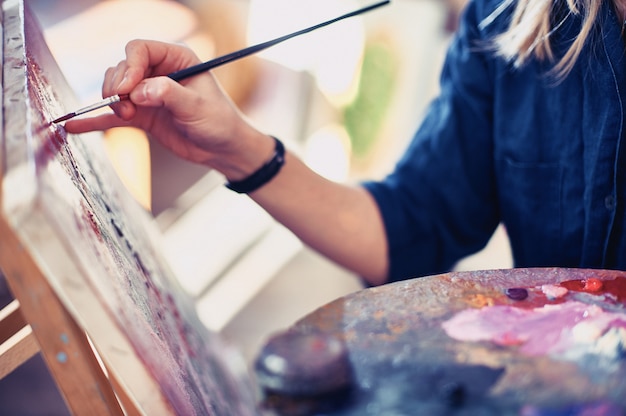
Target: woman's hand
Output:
[{"x": 193, "y": 118}]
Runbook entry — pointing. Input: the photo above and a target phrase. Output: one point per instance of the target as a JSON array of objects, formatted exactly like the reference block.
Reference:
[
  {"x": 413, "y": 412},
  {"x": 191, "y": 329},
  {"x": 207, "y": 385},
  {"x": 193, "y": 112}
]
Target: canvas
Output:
[{"x": 97, "y": 248}]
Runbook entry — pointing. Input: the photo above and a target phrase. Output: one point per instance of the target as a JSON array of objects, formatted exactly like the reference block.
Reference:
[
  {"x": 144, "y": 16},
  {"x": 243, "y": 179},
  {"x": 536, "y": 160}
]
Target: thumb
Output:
[
  {"x": 151, "y": 92},
  {"x": 165, "y": 92}
]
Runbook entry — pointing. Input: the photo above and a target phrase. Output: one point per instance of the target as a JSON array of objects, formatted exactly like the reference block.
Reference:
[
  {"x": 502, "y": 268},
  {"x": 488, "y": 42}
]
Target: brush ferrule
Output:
[{"x": 107, "y": 101}]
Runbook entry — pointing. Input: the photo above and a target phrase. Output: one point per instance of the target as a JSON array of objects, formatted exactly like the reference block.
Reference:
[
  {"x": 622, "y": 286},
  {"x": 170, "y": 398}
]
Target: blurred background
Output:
[{"x": 346, "y": 98}]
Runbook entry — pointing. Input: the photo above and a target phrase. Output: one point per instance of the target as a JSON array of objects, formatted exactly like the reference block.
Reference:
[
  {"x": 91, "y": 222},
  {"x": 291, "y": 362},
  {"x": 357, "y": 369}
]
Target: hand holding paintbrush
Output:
[
  {"x": 178, "y": 103},
  {"x": 206, "y": 66}
]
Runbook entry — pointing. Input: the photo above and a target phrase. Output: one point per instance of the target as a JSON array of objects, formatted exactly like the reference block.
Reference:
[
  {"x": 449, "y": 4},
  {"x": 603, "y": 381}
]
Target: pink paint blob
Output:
[
  {"x": 553, "y": 291},
  {"x": 551, "y": 329}
]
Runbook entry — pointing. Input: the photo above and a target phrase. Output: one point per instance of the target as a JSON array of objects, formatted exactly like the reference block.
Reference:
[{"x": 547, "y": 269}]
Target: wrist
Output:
[
  {"x": 242, "y": 154},
  {"x": 265, "y": 173}
]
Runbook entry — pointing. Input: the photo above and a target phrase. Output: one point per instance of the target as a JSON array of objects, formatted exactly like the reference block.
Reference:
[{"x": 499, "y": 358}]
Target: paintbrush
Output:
[{"x": 224, "y": 59}]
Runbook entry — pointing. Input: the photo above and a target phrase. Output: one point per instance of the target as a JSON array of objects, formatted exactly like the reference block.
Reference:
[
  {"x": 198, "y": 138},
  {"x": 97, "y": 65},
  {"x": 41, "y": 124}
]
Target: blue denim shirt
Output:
[{"x": 511, "y": 145}]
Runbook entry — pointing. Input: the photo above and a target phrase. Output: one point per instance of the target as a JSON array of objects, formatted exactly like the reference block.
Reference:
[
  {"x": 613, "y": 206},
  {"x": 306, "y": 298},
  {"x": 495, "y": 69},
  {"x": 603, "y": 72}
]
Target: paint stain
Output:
[
  {"x": 570, "y": 327},
  {"x": 553, "y": 292},
  {"x": 52, "y": 138},
  {"x": 516, "y": 293},
  {"x": 613, "y": 289},
  {"x": 117, "y": 228},
  {"x": 610, "y": 291},
  {"x": 89, "y": 218},
  {"x": 478, "y": 300},
  {"x": 592, "y": 285},
  {"x": 62, "y": 357},
  {"x": 600, "y": 408},
  {"x": 141, "y": 266},
  {"x": 65, "y": 339},
  {"x": 453, "y": 394}
]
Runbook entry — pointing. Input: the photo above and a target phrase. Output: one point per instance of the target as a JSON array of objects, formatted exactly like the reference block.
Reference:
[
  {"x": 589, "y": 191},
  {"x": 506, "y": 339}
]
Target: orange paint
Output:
[{"x": 479, "y": 300}]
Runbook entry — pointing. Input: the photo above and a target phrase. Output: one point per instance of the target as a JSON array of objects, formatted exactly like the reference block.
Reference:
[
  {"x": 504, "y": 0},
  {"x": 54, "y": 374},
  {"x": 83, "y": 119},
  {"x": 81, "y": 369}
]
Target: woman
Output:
[{"x": 527, "y": 131}]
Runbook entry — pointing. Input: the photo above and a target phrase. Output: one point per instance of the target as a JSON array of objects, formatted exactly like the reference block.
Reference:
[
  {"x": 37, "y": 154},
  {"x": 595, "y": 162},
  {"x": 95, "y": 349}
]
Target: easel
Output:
[
  {"x": 32, "y": 325},
  {"x": 17, "y": 341}
]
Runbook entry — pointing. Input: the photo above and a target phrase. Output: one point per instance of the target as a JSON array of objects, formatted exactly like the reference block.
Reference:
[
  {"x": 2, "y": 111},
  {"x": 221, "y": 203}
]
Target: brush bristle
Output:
[{"x": 64, "y": 118}]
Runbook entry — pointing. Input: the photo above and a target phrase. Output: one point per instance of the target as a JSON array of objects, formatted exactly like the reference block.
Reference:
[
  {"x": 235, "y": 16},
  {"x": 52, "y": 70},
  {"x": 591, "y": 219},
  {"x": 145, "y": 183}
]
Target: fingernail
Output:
[
  {"x": 123, "y": 81},
  {"x": 141, "y": 94},
  {"x": 146, "y": 90}
]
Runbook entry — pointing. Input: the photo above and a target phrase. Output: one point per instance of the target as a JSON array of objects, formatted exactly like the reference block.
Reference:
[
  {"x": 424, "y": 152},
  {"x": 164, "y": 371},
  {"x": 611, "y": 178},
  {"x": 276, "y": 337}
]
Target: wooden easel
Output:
[
  {"x": 17, "y": 341},
  {"x": 40, "y": 322}
]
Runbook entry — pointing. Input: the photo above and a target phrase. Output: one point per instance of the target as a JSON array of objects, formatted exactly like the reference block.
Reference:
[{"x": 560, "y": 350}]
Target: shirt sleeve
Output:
[{"x": 439, "y": 204}]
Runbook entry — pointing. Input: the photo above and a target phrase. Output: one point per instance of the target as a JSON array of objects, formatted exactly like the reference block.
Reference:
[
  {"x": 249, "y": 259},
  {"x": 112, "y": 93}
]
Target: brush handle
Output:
[{"x": 224, "y": 59}]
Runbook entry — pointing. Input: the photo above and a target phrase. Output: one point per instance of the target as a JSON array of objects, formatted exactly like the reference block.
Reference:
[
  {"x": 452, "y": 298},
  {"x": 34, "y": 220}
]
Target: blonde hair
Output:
[{"x": 531, "y": 26}]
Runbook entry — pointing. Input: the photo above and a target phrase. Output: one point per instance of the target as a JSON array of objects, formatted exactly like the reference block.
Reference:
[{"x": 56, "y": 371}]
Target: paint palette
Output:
[{"x": 502, "y": 342}]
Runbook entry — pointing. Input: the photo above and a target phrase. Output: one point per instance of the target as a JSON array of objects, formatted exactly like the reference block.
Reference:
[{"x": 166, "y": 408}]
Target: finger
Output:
[
  {"x": 183, "y": 103},
  {"x": 150, "y": 92},
  {"x": 113, "y": 77},
  {"x": 107, "y": 84},
  {"x": 97, "y": 123},
  {"x": 158, "y": 58},
  {"x": 125, "y": 109},
  {"x": 127, "y": 78}
]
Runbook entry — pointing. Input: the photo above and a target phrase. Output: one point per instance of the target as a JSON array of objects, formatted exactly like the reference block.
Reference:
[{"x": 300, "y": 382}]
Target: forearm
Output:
[{"x": 340, "y": 221}]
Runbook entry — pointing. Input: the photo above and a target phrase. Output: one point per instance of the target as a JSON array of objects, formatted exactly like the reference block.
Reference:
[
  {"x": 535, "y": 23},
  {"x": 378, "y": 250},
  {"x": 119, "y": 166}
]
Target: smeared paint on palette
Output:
[
  {"x": 567, "y": 330},
  {"x": 98, "y": 247},
  {"x": 582, "y": 321},
  {"x": 465, "y": 343}
]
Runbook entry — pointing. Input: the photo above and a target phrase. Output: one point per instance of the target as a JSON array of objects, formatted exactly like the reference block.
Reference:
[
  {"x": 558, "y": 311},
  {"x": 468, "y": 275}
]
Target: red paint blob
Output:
[
  {"x": 615, "y": 288},
  {"x": 592, "y": 285}
]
